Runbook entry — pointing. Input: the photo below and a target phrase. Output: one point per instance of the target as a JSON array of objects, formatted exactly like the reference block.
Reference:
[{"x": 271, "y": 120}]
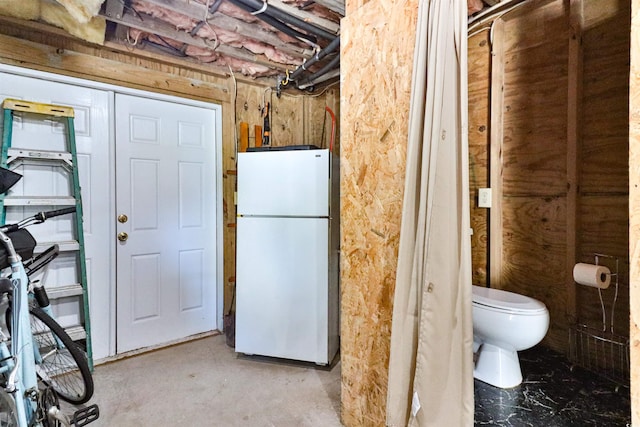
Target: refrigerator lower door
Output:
[{"x": 282, "y": 288}]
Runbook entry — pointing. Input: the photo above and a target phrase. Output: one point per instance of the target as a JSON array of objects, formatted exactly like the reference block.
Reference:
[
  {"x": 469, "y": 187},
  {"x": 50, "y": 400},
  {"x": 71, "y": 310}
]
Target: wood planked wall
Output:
[
  {"x": 479, "y": 60},
  {"x": 295, "y": 119},
  {"x": 561, "y": 163}
]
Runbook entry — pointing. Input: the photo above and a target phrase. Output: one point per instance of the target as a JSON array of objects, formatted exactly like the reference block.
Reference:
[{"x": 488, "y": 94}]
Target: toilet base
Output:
[{"x": 498, "y": 367}]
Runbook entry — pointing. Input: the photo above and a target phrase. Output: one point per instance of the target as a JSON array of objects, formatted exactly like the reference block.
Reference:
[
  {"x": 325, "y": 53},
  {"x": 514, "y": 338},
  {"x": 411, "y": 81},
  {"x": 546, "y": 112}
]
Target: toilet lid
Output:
[{"x": 507, "y": 301}]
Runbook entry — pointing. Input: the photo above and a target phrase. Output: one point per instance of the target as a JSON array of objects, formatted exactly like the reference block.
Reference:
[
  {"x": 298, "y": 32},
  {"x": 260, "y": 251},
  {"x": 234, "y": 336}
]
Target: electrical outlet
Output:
[{"x": 484, "y": 197}]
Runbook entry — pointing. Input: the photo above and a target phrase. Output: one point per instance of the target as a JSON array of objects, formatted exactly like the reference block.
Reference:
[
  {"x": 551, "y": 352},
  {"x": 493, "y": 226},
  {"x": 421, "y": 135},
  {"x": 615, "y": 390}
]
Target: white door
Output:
[
  {"x": 91, "y": 122},
  {"x": 166, "y": 186}
]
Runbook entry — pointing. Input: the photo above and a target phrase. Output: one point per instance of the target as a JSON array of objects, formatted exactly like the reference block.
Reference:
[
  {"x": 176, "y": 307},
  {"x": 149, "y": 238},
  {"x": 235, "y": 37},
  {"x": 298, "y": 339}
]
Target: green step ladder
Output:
[{"x": 66, "y": 161}]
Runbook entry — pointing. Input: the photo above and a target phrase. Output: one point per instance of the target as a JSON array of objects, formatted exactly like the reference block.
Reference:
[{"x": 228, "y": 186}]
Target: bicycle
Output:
[{"x": 39, "y": 347}]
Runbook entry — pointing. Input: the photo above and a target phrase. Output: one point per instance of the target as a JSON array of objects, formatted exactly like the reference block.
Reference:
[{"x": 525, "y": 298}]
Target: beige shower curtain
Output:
[{"x": 431, "y": 366}]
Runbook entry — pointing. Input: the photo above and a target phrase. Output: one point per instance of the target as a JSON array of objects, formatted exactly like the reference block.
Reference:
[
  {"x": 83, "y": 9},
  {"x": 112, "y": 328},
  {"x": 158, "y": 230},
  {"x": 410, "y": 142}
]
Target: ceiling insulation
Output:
[
  {"x": 92, "y": 29},
  {"x": 295, "y": 41},
  {"x": 82, "y": 10}
]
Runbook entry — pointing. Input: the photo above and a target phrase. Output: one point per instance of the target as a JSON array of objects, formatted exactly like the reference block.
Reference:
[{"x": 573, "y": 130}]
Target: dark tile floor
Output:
[{"x": 552, "y": 395}]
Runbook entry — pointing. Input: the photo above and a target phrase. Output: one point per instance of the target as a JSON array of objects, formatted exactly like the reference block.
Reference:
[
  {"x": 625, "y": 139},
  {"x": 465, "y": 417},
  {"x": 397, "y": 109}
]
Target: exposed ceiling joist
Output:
[
  {"x": 151, "y": 25},
  {"x": 198, "y": 11},
  {"x": 335, "y": 5},
  {"x": 309, "y": 17}
]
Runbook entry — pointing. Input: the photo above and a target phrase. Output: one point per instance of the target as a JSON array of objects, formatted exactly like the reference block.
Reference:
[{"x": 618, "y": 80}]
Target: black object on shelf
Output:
[{"x": 283, "y": 148}]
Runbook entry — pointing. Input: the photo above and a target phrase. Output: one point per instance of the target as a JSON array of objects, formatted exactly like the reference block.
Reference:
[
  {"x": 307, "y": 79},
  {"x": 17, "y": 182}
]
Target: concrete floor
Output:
[{"x": 204, "y": 383}]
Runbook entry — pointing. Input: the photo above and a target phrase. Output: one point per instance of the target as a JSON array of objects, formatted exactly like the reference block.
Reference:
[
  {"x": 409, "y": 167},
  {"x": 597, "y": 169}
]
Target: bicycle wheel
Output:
[
  {"x": 8, "y": 415},
  {"x": 65, "y": 369}
]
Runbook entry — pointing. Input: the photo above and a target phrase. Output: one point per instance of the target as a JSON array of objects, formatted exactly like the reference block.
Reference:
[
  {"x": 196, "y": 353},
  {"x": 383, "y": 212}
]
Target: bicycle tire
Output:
[
  {"x": 65, "y": 370},
  {"x": 8, "y": 415}
]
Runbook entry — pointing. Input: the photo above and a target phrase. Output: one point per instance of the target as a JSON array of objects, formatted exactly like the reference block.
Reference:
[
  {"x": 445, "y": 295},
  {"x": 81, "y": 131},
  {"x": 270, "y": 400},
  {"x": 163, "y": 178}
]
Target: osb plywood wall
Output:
[
  {"x": 560, "y": 168},
  {"x": 295, "y": 119},
  {"x": 377, "y": 55},
  {"x": 634, "y": 211}
]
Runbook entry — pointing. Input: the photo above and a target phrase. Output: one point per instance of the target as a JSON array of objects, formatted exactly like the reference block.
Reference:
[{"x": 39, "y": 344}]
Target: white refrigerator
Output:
[{"x": 287, "y": 255}]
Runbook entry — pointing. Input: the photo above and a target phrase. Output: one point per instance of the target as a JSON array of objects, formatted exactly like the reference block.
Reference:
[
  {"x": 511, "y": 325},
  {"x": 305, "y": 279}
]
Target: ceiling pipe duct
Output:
[
  {"x": 285, "y": 80},
  {"x": 276, "y": 13},
  {"x": 335, "y": 43},
  {"x": 292, "y": 32},
  {"x": 324, "y": 78},
  {"x": 330, "y": 66}
]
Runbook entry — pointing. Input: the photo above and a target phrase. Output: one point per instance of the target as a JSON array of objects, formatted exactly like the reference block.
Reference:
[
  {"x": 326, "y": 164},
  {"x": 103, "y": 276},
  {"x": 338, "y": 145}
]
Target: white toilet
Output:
[{"x": 503, "y": 324}]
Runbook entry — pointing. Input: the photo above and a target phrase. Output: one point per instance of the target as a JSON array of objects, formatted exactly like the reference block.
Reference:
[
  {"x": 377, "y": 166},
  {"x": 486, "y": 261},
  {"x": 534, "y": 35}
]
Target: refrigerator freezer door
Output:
[
  {"x": 282, "y": 288},
  {"x": 284, "y": 183}
]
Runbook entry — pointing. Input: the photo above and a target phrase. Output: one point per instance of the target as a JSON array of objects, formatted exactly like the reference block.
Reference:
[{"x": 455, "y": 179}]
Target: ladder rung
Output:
[
  {"x": 39, "y": 201},
  {"x": 21, "y": 154},
  {"x": 66, "y": 246},
  {"x": 64, "y": 291},
  {"x": 76, "y": 332},
  {"x": 37, "y": 107}
]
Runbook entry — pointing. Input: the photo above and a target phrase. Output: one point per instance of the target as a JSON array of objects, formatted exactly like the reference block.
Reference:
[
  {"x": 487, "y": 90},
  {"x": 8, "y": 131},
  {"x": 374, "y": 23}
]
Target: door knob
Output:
[
  {"x": 122, "y": 218},
  {"x": 122, "y": 236}
]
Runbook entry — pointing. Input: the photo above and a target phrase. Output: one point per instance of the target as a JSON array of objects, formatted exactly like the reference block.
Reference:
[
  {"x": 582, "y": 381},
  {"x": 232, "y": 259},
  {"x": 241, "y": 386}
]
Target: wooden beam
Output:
[
  {"x": 335, "y": 5},
  {"x": 150, "y": 52},
  {"x": 152, "y": 25},
  {"x": 309, "y": 17},
  {"x": 495, "y": 162},
  {"x": 574, "y": 138},
  {"x": 47, "y": 34},
  {"x": 14, "y": 51},
  {"x": 634, "y": 212},
  {"x": 198, "y": 12}
]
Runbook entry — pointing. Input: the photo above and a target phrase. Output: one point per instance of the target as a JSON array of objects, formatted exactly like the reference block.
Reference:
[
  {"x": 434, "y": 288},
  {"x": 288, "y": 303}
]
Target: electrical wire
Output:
[
  {"x": 235, "y": 114},
  {"x": 481, "y": 30},
  {"x": 216, "y": 43},
  {"x": 326, "y": 88},
  {"x": 511, "y": 9}
]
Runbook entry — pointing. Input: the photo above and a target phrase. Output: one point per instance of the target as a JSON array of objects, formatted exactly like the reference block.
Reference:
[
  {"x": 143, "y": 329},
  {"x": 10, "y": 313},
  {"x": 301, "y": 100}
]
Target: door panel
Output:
[
  {"x": 282, "y": 287},
  {"x": 289, "y": 183},
  {"x": 91, "y": 110},
  {"x": 166, "y": 275}
]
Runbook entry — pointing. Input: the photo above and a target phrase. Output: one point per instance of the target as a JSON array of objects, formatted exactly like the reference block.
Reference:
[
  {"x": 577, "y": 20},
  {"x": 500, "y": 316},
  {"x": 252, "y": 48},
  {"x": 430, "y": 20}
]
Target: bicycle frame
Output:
[{"x": 20, "y": 361}]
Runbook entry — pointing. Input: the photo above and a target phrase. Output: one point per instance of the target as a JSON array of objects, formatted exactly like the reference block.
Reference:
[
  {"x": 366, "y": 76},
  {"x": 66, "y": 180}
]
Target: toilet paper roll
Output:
[{"x": 597, "y": 276}]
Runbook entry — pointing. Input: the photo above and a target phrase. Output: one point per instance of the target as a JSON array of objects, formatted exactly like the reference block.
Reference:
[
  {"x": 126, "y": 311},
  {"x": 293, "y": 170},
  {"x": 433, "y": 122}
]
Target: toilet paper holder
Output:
[
  {"x": 600, "y": 350},
  {"x": 615, "y": 275}
]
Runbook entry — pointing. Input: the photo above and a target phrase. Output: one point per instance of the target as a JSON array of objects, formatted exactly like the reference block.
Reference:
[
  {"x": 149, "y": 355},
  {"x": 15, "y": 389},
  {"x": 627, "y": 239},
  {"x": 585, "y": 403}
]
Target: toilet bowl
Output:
[{"x": 503, "y": 324}]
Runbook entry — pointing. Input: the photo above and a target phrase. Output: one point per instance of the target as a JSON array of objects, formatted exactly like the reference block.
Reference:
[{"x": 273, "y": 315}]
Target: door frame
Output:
[{"x": 113, "y": 89}]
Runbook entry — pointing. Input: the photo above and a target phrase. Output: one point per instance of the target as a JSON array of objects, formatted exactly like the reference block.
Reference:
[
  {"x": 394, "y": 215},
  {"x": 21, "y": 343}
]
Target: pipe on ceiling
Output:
[
  {"x": 279, "y": 25},
  {"x": 335, "y": 43},
  {"x": 278, "y": 14},
  {"x": 329, "y": 66},
  {"x": 328, "y": 76}
]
